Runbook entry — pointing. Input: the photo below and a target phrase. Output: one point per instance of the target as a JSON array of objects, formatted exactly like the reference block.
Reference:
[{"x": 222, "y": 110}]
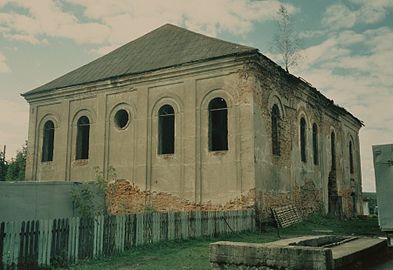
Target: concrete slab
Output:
[
  {"x": 306, "y": 252},
  {"x": 356, "y": 250}
]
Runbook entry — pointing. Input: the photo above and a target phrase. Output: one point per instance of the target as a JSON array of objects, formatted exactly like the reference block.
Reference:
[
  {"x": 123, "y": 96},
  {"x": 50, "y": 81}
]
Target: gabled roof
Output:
[{"x": 166, "y": 46}]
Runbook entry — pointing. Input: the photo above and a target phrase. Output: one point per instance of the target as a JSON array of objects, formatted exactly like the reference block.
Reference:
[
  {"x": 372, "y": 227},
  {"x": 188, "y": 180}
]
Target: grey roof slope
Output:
[{"x": 166, "y": 46}]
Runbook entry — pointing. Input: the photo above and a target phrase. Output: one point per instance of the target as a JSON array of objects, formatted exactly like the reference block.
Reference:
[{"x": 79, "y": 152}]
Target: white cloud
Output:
[
  {"x": 46, "y": 18},
  {"x": 339, "y": 16},
  {"x": 311, "y": 34},
  {"x": 16, "y": 132},
  {"x": 363, "y": 86},
  {"x": 26, "y": 38},
  {"x": 222, "y": 15},
  {"x": 3, "y": 64},
  {"x": 111, "y": 23}
]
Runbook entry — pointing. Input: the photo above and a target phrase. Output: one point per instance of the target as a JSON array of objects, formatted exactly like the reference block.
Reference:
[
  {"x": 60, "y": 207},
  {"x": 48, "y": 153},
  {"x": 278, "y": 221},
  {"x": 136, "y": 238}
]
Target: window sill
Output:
[
  {"x": 166, "y": 156},
  {"x": 218, "y": 152},
  {"x": 80, "y": 162},
  {"x": 47, "y": 163}
]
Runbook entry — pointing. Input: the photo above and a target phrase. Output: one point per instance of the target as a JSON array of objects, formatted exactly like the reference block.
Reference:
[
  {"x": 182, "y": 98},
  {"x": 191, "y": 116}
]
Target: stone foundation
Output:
[{"x": 125, "y": 197}]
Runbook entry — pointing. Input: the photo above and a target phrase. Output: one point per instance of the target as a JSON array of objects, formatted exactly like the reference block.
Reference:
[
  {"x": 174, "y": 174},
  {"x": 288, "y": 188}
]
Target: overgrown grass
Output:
[{"x": 194, "y": 254}]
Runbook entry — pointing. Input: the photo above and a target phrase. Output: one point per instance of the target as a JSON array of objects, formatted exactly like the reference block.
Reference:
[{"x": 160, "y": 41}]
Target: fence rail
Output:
[{"x": 58, "y": 242}]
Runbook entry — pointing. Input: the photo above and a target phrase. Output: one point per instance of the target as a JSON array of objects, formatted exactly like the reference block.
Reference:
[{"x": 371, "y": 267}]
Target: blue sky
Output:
[{"x": 347, "y": 49}]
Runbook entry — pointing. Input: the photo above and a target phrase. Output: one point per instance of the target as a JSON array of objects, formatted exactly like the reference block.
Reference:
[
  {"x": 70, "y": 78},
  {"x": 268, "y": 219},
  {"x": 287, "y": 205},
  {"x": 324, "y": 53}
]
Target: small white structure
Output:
[{"x": 366, "y": 211}]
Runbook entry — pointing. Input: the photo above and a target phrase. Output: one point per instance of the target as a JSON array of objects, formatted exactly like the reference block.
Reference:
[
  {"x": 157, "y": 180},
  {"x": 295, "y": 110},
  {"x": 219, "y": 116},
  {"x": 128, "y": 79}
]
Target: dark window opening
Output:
[
  {"x": 333, "y": 150},
  {"x": 121, "y": 118},
  {"x": 218, "y": 125},
  {"x": 166, "y": 130},
  {"x": 353, "y": 195},
  {"x": 315, "y": 143},
  {"x": 48, "y": 141},
  {"x": 303, "y": 139},
  {"x": 275, "y": 130},
  {"x": 351, "y": 168},
  {"x": 82, "y": 138}
]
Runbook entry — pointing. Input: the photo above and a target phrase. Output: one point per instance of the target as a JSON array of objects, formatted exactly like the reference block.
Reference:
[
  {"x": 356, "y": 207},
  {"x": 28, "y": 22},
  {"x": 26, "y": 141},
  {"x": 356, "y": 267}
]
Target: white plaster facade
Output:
[{"x": 191, "y": 172}]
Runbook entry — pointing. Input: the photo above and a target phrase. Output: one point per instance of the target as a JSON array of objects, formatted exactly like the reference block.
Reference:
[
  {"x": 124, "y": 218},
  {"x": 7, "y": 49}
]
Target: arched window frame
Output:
[
  {"x": 275, "y": 121},
  {"x": 218, "y": 124},
  {"x": 166, "y": 130},
  {"x": 48, "y": 141},
  {"x": 315, "y": 144},
  {"x": 351, "y": 163},
  {"x": 82, "y": 138},
  {"x": 303, "y": 139},
  {"x": 333, "y": 149}
]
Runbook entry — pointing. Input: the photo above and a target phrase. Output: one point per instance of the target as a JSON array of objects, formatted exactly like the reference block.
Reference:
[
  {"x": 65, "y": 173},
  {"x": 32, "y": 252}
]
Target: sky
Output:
[{"x": 347, "y": 49}]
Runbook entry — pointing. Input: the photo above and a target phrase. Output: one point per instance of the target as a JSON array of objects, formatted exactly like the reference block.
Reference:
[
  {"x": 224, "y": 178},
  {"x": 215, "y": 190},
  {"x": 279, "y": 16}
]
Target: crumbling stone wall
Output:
[
  {"x": 125, "y": 197},
  {"x": 286, "y": 179},
  {"x": 307, "y": 199}
]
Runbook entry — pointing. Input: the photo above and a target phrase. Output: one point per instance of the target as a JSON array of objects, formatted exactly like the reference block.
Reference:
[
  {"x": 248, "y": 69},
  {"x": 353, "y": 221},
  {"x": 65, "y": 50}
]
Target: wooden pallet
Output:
[{"x": 286, "y": 216}]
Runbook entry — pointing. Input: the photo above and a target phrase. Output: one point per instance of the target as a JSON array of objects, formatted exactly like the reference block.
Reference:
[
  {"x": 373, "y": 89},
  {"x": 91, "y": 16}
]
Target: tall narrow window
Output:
[
  {"x": 303, "y": 139},
  {"x": 166, "y": 130},
  {"x": 351, "y": 158},
  {"x": 315, "y": 143},
  {"x": 333, "y": 149},
  {"x": 48, "y": 141},
  {"x": 218, "y": 125},
  {"x": 275, "y": 130},
  {"x": 82, "y": 138}
]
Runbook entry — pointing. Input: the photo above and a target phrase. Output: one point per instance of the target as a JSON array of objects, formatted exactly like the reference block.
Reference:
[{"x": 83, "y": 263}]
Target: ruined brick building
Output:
[{"x": 197, "y": 122}]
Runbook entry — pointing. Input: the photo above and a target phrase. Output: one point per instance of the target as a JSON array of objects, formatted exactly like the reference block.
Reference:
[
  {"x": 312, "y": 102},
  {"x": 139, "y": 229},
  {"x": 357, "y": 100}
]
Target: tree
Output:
[
  {"x": 16, "y": 167},
  {"x": 286, "y": 41},
  {"x": 3, "y": 166}
]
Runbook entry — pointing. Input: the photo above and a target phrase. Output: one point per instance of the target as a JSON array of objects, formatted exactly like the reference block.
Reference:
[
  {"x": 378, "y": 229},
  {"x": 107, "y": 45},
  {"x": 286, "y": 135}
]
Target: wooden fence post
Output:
[
  {"x": 98, "y": 235},
  {"x": 171, "y": 226},
  {"x": 11, "y": 243},
  {"x": 210, "y": 223},
  {"x": 156, "y": 227},
  {"x": 139, "y": 230},
  {"x": 73, "y": 239},
  {"x": 120, "y": 233},
  {"x": 198, "y": 224},
  {"x": 130, "y": 237},
  {"x": 184, "y": 225}
]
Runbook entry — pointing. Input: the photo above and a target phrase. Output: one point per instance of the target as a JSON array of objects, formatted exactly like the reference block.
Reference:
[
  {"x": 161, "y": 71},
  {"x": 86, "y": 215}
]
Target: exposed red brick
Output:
[{"x": 125, "y": 197}]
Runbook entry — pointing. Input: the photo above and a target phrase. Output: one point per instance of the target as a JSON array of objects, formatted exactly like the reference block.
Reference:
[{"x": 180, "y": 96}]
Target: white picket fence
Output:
[{"x": 58, "y": 242}]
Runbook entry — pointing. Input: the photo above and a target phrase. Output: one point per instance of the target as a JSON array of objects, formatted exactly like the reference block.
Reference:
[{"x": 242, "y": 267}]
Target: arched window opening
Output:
[
  {"x": 351, "y": 168},
  {"x": 275, "y": 130},
  {"x": 315, "y": 143},
  {"x": 48, "y": 141},
  {"x": 333, "y": 149},
  {"x": 166, "y": 130},
  {"x": 82, "y": 138},
  {"x": 303, "y": 139},
  {"x": 218, "y": 125}
]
